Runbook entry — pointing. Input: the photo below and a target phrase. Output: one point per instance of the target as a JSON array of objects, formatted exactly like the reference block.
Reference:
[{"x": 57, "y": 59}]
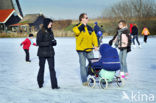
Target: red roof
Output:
[
  {"x": 18, "y": 24},
  {"x": 5, "y": 14}
]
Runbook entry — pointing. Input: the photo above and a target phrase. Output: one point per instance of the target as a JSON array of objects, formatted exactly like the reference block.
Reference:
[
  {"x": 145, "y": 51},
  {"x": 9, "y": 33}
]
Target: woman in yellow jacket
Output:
[
  {"x": 85, "y": 38},
  {"x": 145, "y": 32}
]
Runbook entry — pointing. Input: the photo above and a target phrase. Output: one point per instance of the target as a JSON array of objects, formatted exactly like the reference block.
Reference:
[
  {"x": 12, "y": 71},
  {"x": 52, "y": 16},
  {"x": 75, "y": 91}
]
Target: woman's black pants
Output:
[{"x": 40, "y": 77}]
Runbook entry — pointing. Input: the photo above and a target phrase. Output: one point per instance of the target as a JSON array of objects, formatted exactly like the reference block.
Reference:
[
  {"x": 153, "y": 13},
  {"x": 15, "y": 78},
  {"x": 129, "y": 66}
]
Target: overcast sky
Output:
[{"x": 66, "y": 9}]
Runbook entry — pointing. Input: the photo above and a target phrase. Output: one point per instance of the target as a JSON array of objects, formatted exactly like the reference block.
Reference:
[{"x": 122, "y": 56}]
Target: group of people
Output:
[
  {"x": 134, "y": 34},
  {"x": 45, "y": 41},
  {"x": 87, "y": 38}
]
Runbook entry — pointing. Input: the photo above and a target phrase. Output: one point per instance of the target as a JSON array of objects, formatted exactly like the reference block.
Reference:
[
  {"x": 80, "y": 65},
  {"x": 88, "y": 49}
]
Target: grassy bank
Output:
[
  {"x": 109, "y": 26},
  {"x": 57, "y": 33}
]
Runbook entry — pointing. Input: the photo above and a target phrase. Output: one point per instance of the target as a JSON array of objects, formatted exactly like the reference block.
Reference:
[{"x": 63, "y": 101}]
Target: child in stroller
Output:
[{"x": 102, "y": 70}]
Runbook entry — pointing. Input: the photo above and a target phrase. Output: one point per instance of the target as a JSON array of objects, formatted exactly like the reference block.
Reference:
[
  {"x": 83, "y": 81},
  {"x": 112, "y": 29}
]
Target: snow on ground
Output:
[{"x": 18, "y": 78}]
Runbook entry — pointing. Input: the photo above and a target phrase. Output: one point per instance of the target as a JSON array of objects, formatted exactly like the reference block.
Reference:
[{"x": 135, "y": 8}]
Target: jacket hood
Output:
[
  {"x": 104, "y": 48},
  {"x": 107, "y": 51}
]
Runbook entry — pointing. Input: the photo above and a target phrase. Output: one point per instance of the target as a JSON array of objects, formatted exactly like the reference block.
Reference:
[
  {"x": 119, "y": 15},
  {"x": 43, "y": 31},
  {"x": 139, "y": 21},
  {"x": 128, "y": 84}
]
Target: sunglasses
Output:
[{"x": 86, "y": 18}]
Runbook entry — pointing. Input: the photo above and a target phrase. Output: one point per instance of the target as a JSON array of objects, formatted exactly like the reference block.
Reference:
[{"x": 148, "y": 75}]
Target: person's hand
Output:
[
  {"x": 96, "y": 48},
  {"x": 21, "y": 44},
  {"x": 53, "y": 42},
  {"x": 83, "y": 23}
]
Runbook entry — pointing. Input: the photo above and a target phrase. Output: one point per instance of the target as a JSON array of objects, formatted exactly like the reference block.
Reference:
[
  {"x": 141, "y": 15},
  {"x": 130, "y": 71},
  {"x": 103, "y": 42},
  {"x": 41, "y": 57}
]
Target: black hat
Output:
[
  {"x": 31, "y": 35},
  {"x": 46, "y": 22}
]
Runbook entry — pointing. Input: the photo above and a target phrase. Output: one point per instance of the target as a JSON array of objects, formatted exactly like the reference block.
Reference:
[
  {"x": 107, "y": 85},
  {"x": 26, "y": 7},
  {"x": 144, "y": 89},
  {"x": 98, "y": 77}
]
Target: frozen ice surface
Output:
[{"x": 18, "y": 79}]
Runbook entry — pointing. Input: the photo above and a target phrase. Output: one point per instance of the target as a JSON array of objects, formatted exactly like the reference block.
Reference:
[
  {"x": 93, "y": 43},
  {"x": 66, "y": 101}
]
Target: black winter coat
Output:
[
  {"x": 44, "y": 41},
  {"x": 134, "y": 30}
]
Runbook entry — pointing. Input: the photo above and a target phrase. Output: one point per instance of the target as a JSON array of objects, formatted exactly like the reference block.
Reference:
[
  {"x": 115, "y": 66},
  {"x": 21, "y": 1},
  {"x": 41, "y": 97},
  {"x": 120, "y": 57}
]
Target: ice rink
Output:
[{"x": 18, "y": 83}]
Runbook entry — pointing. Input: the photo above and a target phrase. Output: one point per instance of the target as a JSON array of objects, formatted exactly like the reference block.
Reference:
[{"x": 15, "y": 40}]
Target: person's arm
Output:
[
  {"x": 77, "y": 29},
  {"x": 148, "y": 32},
  {"x": 113, "y": 39},
  {"x": 34, "y": 44},
  {"x": 95, "y": 41},
  {"x": 23, "y": 42},
  {"x": 142, "y": 32},
  {"x": 39, "y": 40}
]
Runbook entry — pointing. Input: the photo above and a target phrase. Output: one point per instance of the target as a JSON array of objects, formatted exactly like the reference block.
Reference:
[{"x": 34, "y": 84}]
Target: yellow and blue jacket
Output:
[{"x": 85, "y": 37}]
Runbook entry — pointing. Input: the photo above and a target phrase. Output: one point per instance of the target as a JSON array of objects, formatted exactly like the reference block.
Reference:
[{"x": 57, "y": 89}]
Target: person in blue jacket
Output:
[{"x": 98, "y": 32}]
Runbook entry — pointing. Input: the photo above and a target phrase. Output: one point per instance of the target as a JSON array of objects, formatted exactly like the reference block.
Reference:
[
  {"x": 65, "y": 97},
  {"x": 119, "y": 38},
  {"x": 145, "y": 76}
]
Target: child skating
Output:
[
  {"x": 26, "y": 45},
  {"x": 146, "y": 33}
]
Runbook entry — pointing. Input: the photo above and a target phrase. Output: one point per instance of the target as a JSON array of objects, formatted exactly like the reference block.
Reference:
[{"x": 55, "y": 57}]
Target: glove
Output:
[
  {"x": 53, "y": 42},
  {"x": 110, "y": 42},
  {"x": 21, "y": 44},
  {"x": 81, "y": 28},
  {"x": 128, "y": 49}
]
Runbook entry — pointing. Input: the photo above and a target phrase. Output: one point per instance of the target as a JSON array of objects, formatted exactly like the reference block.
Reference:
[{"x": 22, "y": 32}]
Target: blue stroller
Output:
[{"x": 103, "y": 70}]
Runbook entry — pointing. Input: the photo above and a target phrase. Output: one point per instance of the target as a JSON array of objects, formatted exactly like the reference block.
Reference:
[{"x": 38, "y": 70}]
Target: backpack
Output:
[
  {"x": 99, "y": 34},
  {"x": 129, "y": 42}
]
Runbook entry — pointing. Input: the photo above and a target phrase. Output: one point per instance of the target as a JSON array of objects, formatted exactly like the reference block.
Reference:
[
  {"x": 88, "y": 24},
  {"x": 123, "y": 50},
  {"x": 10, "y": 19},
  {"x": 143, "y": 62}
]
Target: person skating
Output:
[
  {"x": 145, "y": 32},
  {"x": 98, "y": 32},
  {"x": 102, "y": 31},
  {"x": 123, "y": 42},
  {"x": 135, "y": 35},
  {"x": 85, "y": 38},
  {"x": 45, "y": 40},
  {"x": 26, "y": 46}
]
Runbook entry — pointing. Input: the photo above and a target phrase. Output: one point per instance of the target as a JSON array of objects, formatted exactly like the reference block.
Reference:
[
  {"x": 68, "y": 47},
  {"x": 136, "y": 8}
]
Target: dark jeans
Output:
[
  {"x": 145, "y": 38},
  {"x": 27, "y": 54},
  {"x": 99, "y": 40},
  {"x": 40, "y": 77},
  {"x": 135, "y": 37}
]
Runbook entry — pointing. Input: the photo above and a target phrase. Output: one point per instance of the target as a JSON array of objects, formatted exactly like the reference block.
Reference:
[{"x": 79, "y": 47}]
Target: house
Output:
[
  {"x": 10, "y": 13},
  {"x": 33, "y": 21}
]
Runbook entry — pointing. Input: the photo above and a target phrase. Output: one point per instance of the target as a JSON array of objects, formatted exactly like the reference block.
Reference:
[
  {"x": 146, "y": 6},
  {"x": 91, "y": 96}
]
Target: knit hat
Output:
[
  {"x": 96, "y": 23},
  {"x": 31, "y": 35}
]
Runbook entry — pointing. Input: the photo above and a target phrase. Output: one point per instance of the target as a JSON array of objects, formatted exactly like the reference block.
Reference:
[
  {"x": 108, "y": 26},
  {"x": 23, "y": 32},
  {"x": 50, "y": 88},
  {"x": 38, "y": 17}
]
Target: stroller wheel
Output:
[
  {"x": 91, "y": 81},
  {"x": 120, "y": 82},
  {"x": 103, "y": 83}
]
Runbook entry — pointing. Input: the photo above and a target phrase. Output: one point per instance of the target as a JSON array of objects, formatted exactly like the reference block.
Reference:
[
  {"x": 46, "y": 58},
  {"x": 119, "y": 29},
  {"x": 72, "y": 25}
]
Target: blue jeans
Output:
[
  {"x": 135, "y": 37},
  {"x": 82, "y": 60},
  {"x": 123, "y": 56}
]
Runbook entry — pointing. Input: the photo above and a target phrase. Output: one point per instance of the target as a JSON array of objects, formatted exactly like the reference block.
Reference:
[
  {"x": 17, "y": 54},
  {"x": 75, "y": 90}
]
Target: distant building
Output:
[
  {"x": 30, "y": 23},
  {"x": 33, "y": 20},
  {"x": 10, "y": 13}
]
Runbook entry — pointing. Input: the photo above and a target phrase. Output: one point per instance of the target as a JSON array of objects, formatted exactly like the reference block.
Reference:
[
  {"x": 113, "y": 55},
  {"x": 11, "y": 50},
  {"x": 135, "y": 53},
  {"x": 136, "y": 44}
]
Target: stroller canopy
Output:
[{"x": 109, "y": 58}]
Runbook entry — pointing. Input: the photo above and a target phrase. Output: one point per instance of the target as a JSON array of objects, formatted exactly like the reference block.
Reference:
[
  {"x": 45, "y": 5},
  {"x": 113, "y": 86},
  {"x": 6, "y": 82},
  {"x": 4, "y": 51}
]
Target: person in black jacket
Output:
[
  {"x": 45, "y": 40},
  {"x": 135, "y": 35}
]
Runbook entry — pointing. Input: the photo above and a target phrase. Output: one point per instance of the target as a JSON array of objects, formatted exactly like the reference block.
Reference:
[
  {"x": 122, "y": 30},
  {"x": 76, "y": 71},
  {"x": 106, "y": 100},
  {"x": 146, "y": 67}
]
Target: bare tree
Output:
[{"x": 138, "y": 11}]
